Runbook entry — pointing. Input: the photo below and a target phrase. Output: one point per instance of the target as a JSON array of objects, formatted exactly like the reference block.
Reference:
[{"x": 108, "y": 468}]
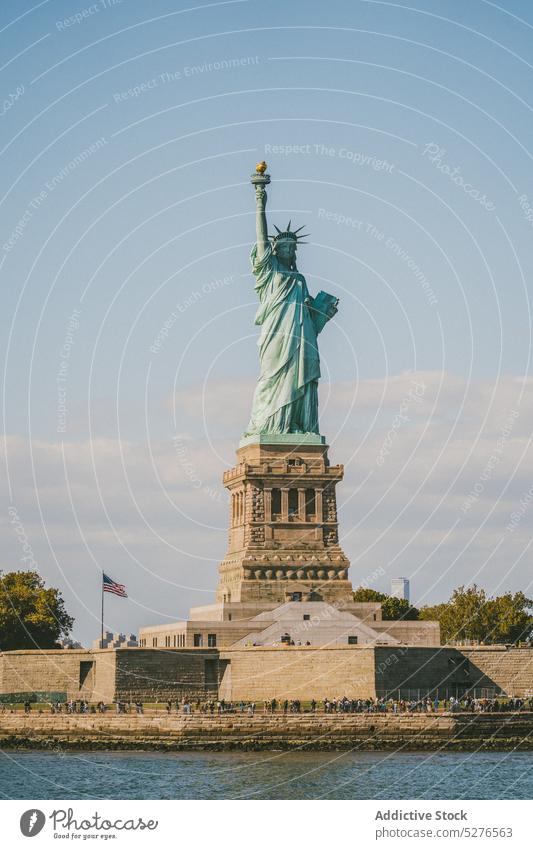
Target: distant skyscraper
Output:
[{"x": 399, "y": 588}]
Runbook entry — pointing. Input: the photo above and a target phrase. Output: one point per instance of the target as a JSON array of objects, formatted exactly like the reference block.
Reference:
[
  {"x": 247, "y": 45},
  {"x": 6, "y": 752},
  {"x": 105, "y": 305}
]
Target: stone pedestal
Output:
[{"x": 283, "y": 536}]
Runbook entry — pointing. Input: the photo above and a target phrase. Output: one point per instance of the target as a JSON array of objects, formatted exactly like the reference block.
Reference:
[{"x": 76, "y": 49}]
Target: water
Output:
[{"x": 266, "y": 775}]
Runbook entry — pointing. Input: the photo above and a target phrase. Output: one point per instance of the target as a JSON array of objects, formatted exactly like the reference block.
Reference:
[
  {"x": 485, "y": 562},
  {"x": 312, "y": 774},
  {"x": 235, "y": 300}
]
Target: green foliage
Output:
[
  {"x": 511, "y": 617},
  {"x": 31, "y": 615},
  {"x": 391, "y": 607},
  {"x": 471, "y": 615},
  {"x": 398, "y": 608},
  {"x": 366, "y": 594}
]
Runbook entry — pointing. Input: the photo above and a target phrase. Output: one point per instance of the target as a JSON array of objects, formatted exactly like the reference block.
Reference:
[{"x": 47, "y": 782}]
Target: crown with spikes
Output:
[{"x": 289, "y": 234}]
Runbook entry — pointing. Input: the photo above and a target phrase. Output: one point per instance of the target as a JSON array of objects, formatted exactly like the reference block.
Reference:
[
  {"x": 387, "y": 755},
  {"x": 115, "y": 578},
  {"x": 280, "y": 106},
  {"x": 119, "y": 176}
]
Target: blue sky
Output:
[{"x": 400, "y": 136}]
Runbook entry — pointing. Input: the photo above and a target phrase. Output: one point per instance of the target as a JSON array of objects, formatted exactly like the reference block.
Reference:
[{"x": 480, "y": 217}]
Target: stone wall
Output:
[
  {"x": 104, "y": 677},
  {"x": 412, "y": 672},
  {"x": 410, "y": 633},
  {"x": 158, "y": 675},
  {"x": 109, "y": 674},
  {"x": 240, "y": 731},
  {"x": 504, "y": 668},
  {"x": 453, "y": 671},
  {"x": 259, "y": 673},
  {"x": 297, "y": 672},
  {"x": 78, "y": 673},
  {"x": 302, "y": 672}
]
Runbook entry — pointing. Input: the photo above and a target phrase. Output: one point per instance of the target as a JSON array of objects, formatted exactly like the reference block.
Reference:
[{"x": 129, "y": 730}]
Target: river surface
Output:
[{"x": 266, "y": 775}]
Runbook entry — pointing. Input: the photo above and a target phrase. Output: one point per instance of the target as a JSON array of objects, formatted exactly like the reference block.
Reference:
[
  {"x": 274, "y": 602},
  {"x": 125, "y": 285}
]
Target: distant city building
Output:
[
  {"x": 116, "y": 641},
  {"x": 70, "y": 644},
  {"x": 399, "y": 588}
]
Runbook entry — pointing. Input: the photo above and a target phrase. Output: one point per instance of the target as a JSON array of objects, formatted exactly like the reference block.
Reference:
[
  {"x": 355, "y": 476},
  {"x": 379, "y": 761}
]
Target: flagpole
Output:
[{"x": 102, "y": 630}]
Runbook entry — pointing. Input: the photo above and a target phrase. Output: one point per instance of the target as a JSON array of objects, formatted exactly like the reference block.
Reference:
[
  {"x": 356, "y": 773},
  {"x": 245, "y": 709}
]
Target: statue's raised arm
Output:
[{"x": 260, "y": 179}]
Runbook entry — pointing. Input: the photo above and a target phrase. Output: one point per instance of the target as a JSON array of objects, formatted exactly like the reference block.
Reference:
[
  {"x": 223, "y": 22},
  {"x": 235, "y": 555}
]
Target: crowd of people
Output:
[
  {"x": 187, "y": 706},
  {"x": 344, "y": 705},
  {"x": 474, "y": 705}
]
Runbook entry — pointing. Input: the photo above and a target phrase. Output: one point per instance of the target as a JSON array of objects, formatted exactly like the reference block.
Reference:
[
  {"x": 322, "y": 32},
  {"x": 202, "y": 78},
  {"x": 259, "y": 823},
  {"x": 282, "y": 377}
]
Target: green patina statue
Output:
[{"x": 286, "y": 396}]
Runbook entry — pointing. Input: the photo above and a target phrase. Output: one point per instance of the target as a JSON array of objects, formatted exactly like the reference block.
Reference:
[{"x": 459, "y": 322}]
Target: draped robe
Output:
[{"x": 286, "y": 396}]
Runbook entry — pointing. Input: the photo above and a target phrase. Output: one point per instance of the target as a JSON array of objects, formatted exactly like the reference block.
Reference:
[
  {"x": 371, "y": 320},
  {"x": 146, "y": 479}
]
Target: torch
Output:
[{"x": 260, "y": 178}]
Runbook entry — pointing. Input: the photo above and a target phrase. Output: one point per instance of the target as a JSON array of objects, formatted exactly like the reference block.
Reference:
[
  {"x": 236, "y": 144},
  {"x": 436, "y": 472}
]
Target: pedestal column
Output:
[
  {"x": 301, "y": 505},
  {"x": 268, "y": 504},
  {"x": 284, "y": 505},
  {"x": 319, "y": 510}
]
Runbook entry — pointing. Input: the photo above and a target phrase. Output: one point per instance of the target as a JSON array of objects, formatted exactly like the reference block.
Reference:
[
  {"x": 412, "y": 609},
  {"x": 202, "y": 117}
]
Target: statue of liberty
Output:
[{"x": 286, "y": 396}]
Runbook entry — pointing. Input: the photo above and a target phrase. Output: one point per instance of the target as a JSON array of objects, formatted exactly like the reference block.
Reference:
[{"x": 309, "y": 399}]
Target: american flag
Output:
[{"x": 111, "y": 586}]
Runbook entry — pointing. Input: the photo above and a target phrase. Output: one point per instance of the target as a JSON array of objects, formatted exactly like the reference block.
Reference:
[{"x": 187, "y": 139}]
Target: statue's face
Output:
[{"x": 286, "y": 250}]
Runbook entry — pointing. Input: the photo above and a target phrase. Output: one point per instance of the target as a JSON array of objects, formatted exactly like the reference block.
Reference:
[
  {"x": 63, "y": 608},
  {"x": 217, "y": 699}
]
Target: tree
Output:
[
  {"x": 471, "y": 615},
  {"x": 463, "y": 617},
  {"x": 31, "y": 615},
  {"x": 510, "y": 618},
  {"x": 398, "y": 608},
  {"x": 366, "y": 594},
  {"x": 391, "y": 607}
]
